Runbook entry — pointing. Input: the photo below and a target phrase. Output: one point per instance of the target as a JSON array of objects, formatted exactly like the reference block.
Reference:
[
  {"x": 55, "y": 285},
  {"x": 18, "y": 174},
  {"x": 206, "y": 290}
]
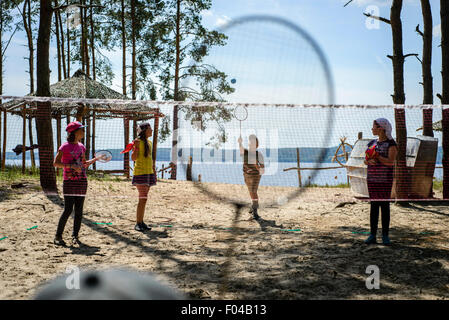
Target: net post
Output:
[
  {"x": 5, "y": 116},
  {"x": 155, "y": 136},
  {"x": 299, "y": 167},
  {"x": 126, "y": 155},
  {"x": 445, "y": 142},
  {"x": 189, "y": 169},
  {"x": 88, "y": 135},
  {"x": 58, "y": 134},
  {"x": 93, "y": 138},
  {"x": 24, "y": 126},
  {"x": 0, "y": 133}
]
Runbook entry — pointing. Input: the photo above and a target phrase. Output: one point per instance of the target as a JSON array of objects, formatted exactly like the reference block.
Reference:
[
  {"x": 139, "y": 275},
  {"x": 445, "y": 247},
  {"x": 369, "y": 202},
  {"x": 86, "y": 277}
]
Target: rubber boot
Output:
[{"x": 255, "y": 206}]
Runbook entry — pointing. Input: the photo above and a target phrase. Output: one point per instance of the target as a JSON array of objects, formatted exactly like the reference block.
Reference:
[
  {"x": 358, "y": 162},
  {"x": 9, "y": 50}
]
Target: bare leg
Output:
[{"x": 143, "y": 195}]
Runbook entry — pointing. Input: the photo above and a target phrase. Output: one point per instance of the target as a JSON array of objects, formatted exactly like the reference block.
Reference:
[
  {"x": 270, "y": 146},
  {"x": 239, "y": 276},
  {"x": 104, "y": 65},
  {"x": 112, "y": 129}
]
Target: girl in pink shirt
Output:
[{"x": 71, "y": 157}]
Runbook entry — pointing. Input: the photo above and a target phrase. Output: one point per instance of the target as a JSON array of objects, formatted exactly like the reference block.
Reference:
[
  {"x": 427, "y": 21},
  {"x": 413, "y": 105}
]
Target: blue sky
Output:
[{"x": 356, "y": 53}]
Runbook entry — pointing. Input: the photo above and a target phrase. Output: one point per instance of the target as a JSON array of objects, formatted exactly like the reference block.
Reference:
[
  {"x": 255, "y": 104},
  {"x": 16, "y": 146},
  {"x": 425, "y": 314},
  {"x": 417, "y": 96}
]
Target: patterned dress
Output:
[{"x": 380, "y": 176}]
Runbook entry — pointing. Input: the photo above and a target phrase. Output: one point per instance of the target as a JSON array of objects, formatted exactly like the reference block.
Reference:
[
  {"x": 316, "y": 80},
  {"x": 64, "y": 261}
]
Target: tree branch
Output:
[
  {"x": 419, "y": 31},
  {"x": 348, "y": 3},
  {"x": 411, "y": 54},
  {"x": 65, "y": 6},
  {"x": 377, "y": 18}
]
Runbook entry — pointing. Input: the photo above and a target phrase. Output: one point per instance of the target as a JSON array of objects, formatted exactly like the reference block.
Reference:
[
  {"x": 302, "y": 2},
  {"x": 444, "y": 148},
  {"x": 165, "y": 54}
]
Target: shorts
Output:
[
  {"x": 252, "y": 182},
  {"x": 145, "y": 179}
]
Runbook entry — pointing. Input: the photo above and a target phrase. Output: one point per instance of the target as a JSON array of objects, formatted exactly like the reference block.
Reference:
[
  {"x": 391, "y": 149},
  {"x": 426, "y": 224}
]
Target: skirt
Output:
[
  {"x": 252, "y": 182},
  {"x": 379, "y": 190},
  {"x": 74, "y": 187},
  {"x": 145, "y": 179}
]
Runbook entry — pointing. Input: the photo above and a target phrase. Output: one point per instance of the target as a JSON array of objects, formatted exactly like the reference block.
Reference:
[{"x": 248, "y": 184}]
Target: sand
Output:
[{"x": 187, "y": 248}]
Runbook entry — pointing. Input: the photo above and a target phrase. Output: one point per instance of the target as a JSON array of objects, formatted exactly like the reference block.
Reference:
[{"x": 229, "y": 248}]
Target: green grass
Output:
[
  {"x": 14, "y": 173},
  {"x": 341, "y": 185},
  {"x": 438, "y": 185}
]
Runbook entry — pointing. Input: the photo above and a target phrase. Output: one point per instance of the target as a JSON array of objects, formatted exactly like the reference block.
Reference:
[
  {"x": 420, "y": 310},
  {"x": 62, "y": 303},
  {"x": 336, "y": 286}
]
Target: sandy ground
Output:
[{"x": 187, "y": 248}]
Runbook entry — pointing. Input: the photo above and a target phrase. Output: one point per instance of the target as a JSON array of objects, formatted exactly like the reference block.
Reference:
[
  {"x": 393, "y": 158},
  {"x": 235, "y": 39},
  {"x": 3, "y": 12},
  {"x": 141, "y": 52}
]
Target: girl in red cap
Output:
[
  {"x": 144, "y": 173},
  {"x": 71, "y": 158}
]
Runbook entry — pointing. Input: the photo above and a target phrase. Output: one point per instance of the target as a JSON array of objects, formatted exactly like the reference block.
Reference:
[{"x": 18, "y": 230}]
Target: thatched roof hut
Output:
[{"x": 80, "y": 86}]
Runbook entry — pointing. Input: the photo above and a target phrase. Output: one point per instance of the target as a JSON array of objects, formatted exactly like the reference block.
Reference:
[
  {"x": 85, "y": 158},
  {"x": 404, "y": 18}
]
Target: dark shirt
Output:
[
  {"x": 249, "y": 162},
  {"x": 380, "y": 172}
]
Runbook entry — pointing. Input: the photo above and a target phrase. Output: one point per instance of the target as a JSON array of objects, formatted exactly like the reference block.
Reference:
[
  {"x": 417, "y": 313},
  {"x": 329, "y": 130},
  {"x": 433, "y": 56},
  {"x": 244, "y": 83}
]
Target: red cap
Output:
[{"x": 75, "y": 125}]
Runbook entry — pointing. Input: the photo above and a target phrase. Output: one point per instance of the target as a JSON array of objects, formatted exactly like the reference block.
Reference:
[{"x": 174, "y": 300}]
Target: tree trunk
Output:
[
  {"x": 427, "y": 53},
  {"x": 86, "y": 50},
  {"x": 133, "y": 39},
  {"x": 1, "y": 69},
  {"x": 83, "y": 55},
  {"x": 43, "y": 123},
  {"x": 123, "y": 48},
  {"x": 176, "y": 94},
  {"x": 92, "y": 41},
  {"x": 68, "y": 45},
  {"x": 58, "y": 46},
  {"x": 444, "y": 12},
  {"x": 61, "y": 33},
  {"x": 27, "y": 25},
  {"x": 399, "y": 98}
]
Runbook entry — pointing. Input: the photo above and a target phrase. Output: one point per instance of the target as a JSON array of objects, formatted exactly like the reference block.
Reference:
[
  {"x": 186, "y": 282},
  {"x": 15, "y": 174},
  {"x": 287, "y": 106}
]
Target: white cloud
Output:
[
  {"x": 207, "y": 13},
  {"x": 222, "y": 20}
]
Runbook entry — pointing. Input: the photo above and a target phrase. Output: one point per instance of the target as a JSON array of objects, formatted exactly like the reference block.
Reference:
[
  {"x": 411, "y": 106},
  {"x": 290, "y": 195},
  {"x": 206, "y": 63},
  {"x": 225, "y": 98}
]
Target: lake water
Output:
[{"x": 232, "y": 172}]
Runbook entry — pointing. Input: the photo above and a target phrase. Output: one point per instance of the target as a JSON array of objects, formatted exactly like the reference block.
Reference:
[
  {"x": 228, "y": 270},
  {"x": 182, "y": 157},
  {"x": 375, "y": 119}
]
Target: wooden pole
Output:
[
  {"x": 189, "y": 169},
  {"x": 58, "y": 136},
  {"x": 134, "y": 128},
  {"x": 126, "y": 155},
  {"x": 88, "y": 137},
  {"x": 4, "y": 139},
  {"x": 163, "y": 171},
  {"x": 24, "y": 137},
  {"x": 360, "y": 136},
  {"x": 299, "y": 167},
  {"x": 93, "y": 138},
  {"x": 155, "y": 136},
  {"x": 0, "y": 138},
  {"x": 30, "y": 135}
]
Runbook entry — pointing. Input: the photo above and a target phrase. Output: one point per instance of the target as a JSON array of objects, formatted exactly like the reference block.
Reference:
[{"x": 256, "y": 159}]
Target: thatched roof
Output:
[{"x": 80, "y": 86}]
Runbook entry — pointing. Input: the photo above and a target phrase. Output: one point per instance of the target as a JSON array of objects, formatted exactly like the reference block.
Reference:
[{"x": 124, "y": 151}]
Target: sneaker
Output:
[
  {"x": 145, "y": 227},
  {"x": 139, "y": 227},
  {"x": 76, "y": 241},
  {"x": 255, "y": 214},
  {"x": 59, "y": 242},
  {"x": 385, "y": 240},
  {"x": 371, "y": 240}
]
